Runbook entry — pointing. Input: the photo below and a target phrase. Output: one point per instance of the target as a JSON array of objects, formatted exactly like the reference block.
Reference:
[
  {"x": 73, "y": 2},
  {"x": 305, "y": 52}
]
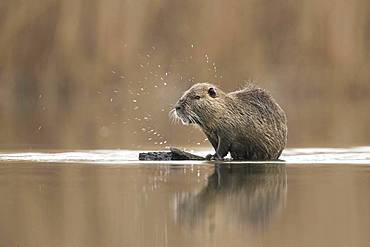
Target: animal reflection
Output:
[{"x": 241, "y": 194}]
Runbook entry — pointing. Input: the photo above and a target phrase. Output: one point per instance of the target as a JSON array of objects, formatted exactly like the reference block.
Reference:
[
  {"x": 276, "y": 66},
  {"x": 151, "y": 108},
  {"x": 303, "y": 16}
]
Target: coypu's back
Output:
[{"x": 265, "y": 123}]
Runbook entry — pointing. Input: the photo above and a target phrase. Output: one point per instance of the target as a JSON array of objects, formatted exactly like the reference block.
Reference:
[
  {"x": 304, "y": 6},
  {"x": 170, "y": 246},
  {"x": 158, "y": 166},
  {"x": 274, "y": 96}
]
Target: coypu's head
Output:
[{"x": 198, "y": 104}]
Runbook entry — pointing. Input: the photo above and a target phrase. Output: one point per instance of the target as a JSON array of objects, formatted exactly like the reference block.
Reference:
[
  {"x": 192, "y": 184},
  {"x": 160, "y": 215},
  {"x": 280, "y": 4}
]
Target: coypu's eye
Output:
[{"x": 197, "y": 97}]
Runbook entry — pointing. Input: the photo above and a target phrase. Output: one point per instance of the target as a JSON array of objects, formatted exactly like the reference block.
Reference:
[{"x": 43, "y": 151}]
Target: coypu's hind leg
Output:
[
  {"x": 244, "y": 152},
  {"x": 239, "y": 153}
]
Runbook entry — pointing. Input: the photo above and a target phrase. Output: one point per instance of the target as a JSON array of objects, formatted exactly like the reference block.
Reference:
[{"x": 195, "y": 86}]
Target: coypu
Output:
[{"x": 247, "y": 123}]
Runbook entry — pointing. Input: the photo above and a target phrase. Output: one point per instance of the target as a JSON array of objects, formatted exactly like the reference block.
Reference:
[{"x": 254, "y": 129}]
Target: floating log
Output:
[{"x": 173, "y": 154}]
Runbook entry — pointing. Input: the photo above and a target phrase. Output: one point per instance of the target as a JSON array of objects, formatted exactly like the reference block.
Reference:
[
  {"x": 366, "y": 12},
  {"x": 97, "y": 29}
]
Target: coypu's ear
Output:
[{"x": 212, "y": 92}]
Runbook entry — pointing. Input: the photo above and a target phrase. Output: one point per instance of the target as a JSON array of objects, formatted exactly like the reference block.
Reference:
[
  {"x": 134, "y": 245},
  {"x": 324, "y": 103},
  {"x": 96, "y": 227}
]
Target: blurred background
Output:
[{"x": 104, "y": 74}]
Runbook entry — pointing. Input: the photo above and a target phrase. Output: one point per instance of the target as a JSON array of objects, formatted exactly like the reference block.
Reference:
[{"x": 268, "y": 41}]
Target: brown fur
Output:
[{"x": 247, "y": 123}]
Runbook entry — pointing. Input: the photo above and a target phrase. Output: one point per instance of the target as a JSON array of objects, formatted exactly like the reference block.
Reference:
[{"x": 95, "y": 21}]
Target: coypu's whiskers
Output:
[
  {"x": 171, "y": 113},
  {"x": 173, "y": 116}
]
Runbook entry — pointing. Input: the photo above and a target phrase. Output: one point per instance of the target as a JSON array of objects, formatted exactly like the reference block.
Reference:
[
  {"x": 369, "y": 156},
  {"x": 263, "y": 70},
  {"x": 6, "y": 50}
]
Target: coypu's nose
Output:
[{"x": 178, "y": 107}]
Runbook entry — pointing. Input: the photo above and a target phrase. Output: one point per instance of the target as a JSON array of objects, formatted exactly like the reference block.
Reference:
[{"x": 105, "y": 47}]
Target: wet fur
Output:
[{"x": 247, "y": 123}]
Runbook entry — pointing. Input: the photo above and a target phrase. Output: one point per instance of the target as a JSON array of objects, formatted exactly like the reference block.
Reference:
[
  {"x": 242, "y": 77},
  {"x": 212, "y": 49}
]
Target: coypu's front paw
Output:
[
  {"x": 213, "y": 157},
  {"x": 210, "y": 157}
]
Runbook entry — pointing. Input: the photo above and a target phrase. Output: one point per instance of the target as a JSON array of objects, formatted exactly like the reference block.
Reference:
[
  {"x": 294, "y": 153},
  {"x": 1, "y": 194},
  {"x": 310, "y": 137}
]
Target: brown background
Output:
[{"x": 103, "y": 74}]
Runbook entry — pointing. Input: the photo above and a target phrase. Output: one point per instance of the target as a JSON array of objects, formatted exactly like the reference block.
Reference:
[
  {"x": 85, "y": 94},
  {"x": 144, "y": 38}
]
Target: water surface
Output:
[{"x": 319, "y": 197}]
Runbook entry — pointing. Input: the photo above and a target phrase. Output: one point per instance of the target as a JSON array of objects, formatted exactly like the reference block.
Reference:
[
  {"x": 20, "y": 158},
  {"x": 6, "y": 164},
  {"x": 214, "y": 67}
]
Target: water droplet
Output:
[
  {"x": 134, "y": 101},
  {"x": 104, "y": 131}
]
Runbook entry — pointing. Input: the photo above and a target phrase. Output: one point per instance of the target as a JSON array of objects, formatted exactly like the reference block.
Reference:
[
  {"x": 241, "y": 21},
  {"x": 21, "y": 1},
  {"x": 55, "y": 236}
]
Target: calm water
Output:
[{"x": 319, "y": 197}]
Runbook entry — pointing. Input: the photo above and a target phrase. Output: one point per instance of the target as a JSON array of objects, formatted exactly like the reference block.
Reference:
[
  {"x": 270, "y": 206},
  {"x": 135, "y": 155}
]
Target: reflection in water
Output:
[
  {"x": 249, "y": 193},
  {"x": 183, "y": 205}
]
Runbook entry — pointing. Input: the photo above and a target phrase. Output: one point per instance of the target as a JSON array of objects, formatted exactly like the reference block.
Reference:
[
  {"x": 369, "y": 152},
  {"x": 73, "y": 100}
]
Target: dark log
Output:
[{"x": 173, "y": 154}]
